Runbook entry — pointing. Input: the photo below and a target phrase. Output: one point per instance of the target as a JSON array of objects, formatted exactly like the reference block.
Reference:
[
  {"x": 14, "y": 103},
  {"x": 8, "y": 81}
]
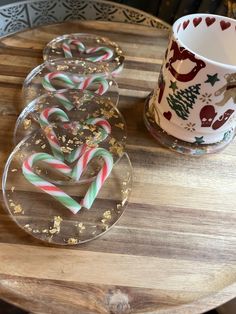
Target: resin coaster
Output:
[
  {"x": 68, "y": 74},
  {"x": 60, "y": 214},
  {"x": 71, "y": 105},
  {"x": 180, "y": 146},
  {"x": 66, "y": 141},
  {"x": 86, "y": 47}
]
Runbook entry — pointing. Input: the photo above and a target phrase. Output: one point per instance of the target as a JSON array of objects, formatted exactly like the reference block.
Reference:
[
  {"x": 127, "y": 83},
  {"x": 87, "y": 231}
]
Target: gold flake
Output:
[
  {"x": 112, "y": 141},
  {"x": 72, "y": 241},
  {"x": 12, "y": 204},
  {"x": 36, "y": 231},
  {"x": 27, "y": 227},
  {"x": 45, "y": 231},
  {"x": 120, "y": 125},
  {"x": 117, "y": 149},
  {"x": 105, "y": 227},
  {"x": 38, "y": 141},
  {"x": 107, "y": 114},
  {"x": 43, "y": 146},
  {"x": 14, "y": 170},
  {"x": 118, "y": 206},
  {"x": 66, "y": 149},
  {"x": 56, "y": 225},
  {"x": 26, "y": 123},
  {"x": 47, "y": 130},
  {"x": 107, "y": 214},
  {"x": 12, "y": 189},
  {"x": 62, "y": 67},
  {"x": 81, "y": 226},
  {"x": 38, "y": 171},
  {"x": 63, "y": 138},
  {"x": 18, "y": 209}
]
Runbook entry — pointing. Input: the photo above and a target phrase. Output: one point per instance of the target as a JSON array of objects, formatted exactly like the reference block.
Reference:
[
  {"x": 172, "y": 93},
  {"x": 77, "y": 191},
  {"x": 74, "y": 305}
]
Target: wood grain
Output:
[{"x": 173, "y": 251}]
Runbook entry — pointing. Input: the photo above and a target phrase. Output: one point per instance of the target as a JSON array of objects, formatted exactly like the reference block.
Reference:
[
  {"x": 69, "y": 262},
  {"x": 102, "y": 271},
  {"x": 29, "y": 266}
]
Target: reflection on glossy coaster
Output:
[
  {"x": 53, "y": 213},
  {"x": 69, "y": 74},
  {"x": 67, "y": 142},
  {"x": 192, "y": 149},
  {"x": 87, "y": 47},
  {"x": 72, "y": 105}
]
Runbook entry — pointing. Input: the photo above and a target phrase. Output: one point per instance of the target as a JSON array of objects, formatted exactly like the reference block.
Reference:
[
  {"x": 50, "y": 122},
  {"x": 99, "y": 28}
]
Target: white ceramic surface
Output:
[{"x": 196, "y": 93}]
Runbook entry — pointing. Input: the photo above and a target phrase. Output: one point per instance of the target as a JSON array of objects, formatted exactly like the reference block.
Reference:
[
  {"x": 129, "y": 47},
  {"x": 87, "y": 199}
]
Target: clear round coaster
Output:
[
  {"x": 69, "y": 74},
  {"x": 64, "y": 214},
  {"x": 87, "y": 47},
  {"x": 179, "y": 146},
  {"x": 72, "y": 105},
  {"x": 67, "y": 141}
]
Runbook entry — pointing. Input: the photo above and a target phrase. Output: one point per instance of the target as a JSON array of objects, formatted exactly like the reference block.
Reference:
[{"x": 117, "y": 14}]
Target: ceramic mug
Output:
[{"x": 195, "y": 100}]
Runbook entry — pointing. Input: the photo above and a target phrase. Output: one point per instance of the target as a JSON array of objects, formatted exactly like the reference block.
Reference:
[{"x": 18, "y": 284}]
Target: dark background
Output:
[{"x": 169, "y": 10}]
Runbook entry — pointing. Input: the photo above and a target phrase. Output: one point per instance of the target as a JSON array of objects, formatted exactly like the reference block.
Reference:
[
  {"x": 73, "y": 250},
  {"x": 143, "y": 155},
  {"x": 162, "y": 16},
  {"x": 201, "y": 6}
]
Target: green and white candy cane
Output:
[
  {"x": 66, "y": 47},
  {"x": 47, "y": 187},
  {"x": 106, "y": 56},
  {"x": 105, "y": 130},
  {"x": 57, "y": 193},
  {"x": 105, "y": 171},
  {"x": 48, "y": 130},
  {"x": 75, "y": 82}
]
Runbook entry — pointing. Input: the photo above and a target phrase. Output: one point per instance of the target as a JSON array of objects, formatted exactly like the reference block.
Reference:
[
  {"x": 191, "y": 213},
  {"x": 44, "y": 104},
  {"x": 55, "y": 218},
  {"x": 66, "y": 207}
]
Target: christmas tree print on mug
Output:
[{"x": 195, "y": 98}]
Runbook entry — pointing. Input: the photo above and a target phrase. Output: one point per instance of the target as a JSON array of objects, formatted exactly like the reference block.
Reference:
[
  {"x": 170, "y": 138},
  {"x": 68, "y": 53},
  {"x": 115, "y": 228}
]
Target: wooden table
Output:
[{"x": 174, "y": 249}]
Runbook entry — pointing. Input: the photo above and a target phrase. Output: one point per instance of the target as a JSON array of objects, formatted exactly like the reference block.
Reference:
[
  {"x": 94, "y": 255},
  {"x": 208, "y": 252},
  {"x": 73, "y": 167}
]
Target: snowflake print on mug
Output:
[{"x": 206, "y": 98}]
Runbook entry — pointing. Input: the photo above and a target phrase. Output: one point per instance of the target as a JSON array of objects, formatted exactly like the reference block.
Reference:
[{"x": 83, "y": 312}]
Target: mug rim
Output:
[{"x": 179, "y": 41}]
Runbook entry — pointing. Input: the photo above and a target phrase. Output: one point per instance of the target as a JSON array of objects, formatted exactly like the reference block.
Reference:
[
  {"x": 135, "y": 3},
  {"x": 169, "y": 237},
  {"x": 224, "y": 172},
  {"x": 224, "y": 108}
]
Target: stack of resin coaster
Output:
[{"x": 68, "y": 178}]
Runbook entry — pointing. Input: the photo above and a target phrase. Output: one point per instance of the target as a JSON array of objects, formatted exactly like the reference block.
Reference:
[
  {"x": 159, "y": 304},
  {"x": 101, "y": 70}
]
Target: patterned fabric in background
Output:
[
  {"x": 231, "y": 4},
  {"x": 170, "y": 10}
]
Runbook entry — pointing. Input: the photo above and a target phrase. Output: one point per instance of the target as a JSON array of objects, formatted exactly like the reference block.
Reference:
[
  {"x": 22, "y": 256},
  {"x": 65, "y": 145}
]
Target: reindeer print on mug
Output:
[{"x": 228, "y": 90}]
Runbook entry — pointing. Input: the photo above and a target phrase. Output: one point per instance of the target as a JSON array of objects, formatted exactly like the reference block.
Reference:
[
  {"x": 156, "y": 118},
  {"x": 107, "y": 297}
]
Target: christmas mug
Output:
[{"x": 195, "y": 100}]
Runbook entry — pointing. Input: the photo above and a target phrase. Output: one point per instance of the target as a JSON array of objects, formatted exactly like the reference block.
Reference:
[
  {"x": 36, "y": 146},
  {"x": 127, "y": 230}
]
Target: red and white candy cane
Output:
[
  {"x": 47, "y": 187},
  {"x": 106, "y": 56},
  {"x": 93, "y": 79},
  {"x": 57, "y": 193},
  {"x": 48, "y": 130},
  {"x": 96, "y": 185},
  {"x": 119, "y": 67},
  {"x": 75, "y": 82},
  {"x": 66, "y": 46},
  {"x": 107, "y": 53},
  {"x": 105, "y": 129},
  {"x": 61, "y": 76}
]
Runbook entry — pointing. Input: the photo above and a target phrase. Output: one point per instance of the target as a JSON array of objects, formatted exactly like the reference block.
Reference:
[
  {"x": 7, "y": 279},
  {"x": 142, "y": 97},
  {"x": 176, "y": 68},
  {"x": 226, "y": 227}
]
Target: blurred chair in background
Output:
[{"x": 170, "y": 10}]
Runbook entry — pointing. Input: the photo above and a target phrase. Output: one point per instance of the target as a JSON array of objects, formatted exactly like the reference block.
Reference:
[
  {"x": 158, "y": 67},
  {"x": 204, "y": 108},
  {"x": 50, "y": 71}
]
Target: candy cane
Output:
[
  {"x": 105, "y": 129},
  {"x": 104, "y": 86},
  {"x": 75, "y": 82},
  {"x": 66, "y": 103},
  {"x": 119, "y": 67},
  {"x": 96, "y": 185},
  {"x": 46, "y": 186},
  {"x": 104, "y": 125},
  {"x": 49, "y": 132},
  {"x": 47, "y": 84},
  {"x": 108, "y": 54},
  {"x": 66, "y": 47}
]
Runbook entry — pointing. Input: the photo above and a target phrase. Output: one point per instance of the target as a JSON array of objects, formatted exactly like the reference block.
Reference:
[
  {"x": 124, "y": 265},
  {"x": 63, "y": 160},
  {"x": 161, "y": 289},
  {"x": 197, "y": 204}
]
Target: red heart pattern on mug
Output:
[
  {"x": 185, "y": 24},
  {"x": 167, "y": 115},
  {"x": 224, "y": 25},
  {"x": 197, "y": 21},
  {"x": 210, "y": 21}
]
